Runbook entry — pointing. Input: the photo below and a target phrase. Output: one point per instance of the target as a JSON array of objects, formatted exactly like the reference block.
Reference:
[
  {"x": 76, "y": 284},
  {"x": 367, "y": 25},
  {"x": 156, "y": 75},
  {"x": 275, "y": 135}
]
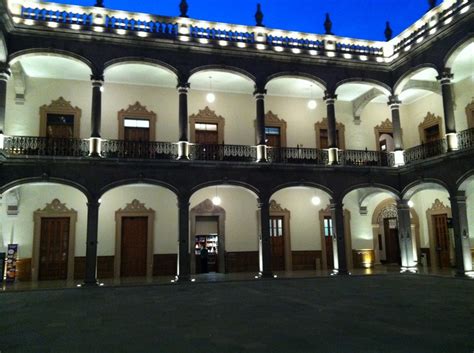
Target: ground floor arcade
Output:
[{"x": 140, "y": 231}]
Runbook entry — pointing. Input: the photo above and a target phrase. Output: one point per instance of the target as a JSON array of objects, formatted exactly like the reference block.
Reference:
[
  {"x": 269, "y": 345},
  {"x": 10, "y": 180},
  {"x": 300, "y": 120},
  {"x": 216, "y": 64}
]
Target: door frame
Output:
[
  {"x": 206, "y": 116},
  {"x": 54, "y": 209},
  {"x": 347, "y": 237},
  {"x": 134, "y": 209},
  {"x": 137, "y": 111},
  {"x": 277, "y": 211},
  {"x": 437, "y": 208},
  {"x": 207, "y": 209}
]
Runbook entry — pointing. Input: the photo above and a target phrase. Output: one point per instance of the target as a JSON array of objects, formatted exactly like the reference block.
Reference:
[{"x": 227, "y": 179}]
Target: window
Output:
[
  {"x": 205, "y": 127},
  {"x": 432, "y": 133},
  {"x": 328, "y": 229},
  {"x": 137, "y": 123},
  {"x": 276, "y": 226},
  {"x": 272, "y": 131},
  {"x": 59, "y": 126}
]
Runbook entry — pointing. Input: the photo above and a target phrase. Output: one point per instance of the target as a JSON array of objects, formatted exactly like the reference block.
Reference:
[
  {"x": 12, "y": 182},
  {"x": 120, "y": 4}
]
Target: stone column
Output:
[
  {"x": 448, "y": 107},
  {"x": 461, "y": 233},
  {"x": 330, "y": 99},
  {"x": 394, "y": 104},
  {"x": 265, "y": 241},
  {"x": 337, "y": 213},
  {"x": 259, "y": 95},
  {"x": 4, "y": 76},
  {"x": 183, "y": 144},
  {"x": 91, "y": 246},
  {"x": 184, "y": 263},
  {"x": 405, "y": 237},
  {"x": 96, "y": 115}
]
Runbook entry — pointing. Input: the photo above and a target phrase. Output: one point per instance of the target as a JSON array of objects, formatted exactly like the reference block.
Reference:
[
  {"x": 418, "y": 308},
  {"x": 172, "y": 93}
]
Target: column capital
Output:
[
  {"x": 394, "y": 102},
  {"x": 259, "y": 93},
  {"x": 335, "y": 204},
  {"x": 97, "y": 80},
  {"x": 403, "y": 204},
  {"x": 445, "y": 77},
  {"x": 183, "y": 87},
  {"x": 183, "y": 200},
  {"x": 458, "y": 196},
  {"x": 330, "y": 97},
  {"x": 5, "y": 73}
]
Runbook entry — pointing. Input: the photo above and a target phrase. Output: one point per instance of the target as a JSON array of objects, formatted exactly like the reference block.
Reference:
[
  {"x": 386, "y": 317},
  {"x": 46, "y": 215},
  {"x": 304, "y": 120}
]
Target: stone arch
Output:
[
  {"x": 3, "y": 49},
  {"x": 423, "y": 184},
  {"x": 126, "y": 182},
  {"x": 301, "y": 75},
  {"x": 452, "y": 54},
  {"x": 248, "y": 187},
  {"x": 309, "y": 184},
  {"x": 386, "y": 188},
  {"x": 384, "y": 88},
  {"x": 405, "y": 77},
  {"x": 225, "y": 68},
  {"x": 142, "y": 61}
]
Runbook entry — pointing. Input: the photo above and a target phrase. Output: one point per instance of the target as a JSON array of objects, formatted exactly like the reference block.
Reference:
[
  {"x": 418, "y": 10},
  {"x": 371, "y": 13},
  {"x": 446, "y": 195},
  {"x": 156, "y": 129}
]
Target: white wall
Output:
[
  {"x": 161, "y": 200},
  {"x": 20, "y": 229}
]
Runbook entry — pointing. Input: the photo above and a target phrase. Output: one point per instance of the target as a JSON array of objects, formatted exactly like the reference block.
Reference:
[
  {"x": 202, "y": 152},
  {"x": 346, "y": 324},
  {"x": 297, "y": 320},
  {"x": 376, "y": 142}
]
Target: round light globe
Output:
[
  {"x": 216, "y": 200},
  {"x": 312, "y": 104},
  {"x": 210, "y": 97},
  {"x": 316, "y": 201},
  {"x": 411, "y": 204}
]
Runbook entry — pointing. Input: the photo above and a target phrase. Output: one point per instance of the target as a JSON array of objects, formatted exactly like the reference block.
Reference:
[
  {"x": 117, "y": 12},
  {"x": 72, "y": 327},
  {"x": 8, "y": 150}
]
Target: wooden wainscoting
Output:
[
  {"x": 363, "y": 258},
  {"x": 23, "y": 269},
  {"x": 105, "y": 266},
  {"x": 242, "y": 261},
  {"x": 79, "y": 267},
  {"x": 472, "y": 253},
  {"x": 165, "y": 264},
  {"x": 307, "y": 260}
]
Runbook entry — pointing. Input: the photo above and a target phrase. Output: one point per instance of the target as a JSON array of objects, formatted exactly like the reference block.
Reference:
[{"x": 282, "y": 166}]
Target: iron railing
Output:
[
  {"x": 297, "y": 155},
  {"x": 139, "y": 149},
  {"x": 426, "y": 150},
  {"x": 466, "y": 139},
  {"x": 230, "y": 153},
  {"x": 365, "y": 158},
  {"x": 45, "y": 146}
]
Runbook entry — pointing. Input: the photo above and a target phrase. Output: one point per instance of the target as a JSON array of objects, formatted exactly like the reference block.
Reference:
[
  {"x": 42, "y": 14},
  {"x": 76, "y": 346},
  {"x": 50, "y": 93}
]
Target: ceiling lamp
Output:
[
  {"x": 312, "y": 104},
  {"x": 411, "y": 204},
  {"x": 210, "y": 97},
  {"x": 216, "y": 200},
  {"x": 316, "y": 201}
]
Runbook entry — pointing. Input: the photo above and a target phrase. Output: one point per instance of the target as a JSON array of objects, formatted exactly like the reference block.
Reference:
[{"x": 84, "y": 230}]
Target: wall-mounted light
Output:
[{"x": 411, "y": 204}]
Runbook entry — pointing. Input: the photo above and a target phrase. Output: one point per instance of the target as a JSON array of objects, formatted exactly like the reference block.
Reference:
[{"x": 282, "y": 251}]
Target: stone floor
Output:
[{"x": 367, "y": 314}]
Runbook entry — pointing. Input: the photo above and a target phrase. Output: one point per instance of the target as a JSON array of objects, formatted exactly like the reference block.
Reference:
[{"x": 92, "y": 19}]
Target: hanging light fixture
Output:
[
  {"x": 411, "y": 204},
  {"x": 216, "y": 200},
  {"x": 210, "y": 97},
  {"x": 312, "y": 104},
  {"x": 316, "y": 201}
]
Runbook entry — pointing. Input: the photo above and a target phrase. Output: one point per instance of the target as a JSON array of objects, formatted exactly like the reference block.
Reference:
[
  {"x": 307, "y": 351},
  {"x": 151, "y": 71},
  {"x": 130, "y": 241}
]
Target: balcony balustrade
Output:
[
  {"x": 426, "y": 150},
  {"x": 45, "y": 147},
  {"x": 139, "y": 149},
  {"x": 31, "y": 146}
]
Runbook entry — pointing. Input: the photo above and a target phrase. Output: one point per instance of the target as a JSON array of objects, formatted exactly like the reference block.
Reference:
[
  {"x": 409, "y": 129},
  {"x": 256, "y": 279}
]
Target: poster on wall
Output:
[{"x": 11, "y": 262}]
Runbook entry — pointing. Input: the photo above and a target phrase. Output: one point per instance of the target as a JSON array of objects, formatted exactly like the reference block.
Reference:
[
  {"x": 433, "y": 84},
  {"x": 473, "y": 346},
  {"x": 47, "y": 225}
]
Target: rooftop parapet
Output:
[{"x": 206, "y": 33}]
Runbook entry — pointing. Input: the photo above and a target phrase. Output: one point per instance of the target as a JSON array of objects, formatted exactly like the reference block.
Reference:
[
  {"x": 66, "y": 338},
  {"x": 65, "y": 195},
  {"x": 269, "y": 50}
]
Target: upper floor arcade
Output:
[{"x": 415, "y": 98}]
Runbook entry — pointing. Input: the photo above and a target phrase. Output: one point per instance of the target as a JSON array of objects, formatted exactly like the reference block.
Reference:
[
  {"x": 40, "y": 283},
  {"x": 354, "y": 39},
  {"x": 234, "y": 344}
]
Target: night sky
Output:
[{"x": 364, "y": 19}]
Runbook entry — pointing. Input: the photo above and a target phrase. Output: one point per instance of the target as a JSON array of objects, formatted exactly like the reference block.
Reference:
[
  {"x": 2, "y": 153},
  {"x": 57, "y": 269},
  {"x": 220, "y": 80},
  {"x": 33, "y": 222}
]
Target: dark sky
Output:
[{"x": 364, "y": 19}]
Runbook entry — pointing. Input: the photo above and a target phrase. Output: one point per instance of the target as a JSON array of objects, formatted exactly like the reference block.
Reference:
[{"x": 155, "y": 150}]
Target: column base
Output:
[
  {"x": 182, "y": 279},
  {"x": 340, "y": 273},
  {"x": 90, "y": 283},
  {"x": 399, "y": 158},
  {"x": 95, "y": 147},
  {"x": 333, "y": 156},
  {"x": 452, "y": 139},
  {"x": 410, "y": 269},
  {"x": 2, "y": 141},
  {"x": 266, "y": 274},
  {"x": 183, "y": 151},
  {"x": 261, "y": 154}
]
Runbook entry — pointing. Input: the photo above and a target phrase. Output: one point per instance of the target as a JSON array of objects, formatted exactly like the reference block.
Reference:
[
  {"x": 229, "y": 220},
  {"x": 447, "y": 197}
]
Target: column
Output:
[
  {"x": 183, "y": 144},
  {"x": 4, "y": 76},
  {"x": 448, "y": 107},
  {"x": 394, "y": 104},
  {"x": 91, "y": 246},
  {"x": 184, "y": 264},
  {"x": 265, "y": 241},
  {"x": 96, "y": 115},
  {"x": 405, "y": 237},
  {"x": 337, "y": 212},
  {"x": 259, "y": 95},
  {"x": 330, "y": 99},
  {"x": 461, "y": 233}
]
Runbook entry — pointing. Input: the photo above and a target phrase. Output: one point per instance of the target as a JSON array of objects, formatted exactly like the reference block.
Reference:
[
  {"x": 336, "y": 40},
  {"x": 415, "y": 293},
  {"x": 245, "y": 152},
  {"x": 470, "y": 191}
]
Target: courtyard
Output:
[{"x": 367, "y": 314}]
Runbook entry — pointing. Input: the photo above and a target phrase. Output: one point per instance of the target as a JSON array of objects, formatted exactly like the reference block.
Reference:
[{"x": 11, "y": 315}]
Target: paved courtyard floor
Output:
[{"x": 366, "y": 314}]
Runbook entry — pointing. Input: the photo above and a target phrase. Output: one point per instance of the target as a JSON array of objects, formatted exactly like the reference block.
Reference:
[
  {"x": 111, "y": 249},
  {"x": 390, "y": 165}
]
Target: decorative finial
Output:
[
  {"x": 99, "y": 3},
  {"x": 388, "y": 32},
  {"x": 259, "y": 16},
  {"x": 432, "y": 4},
  {"x": 183, "y": 8},
  {"x": 328, "y": 25}
]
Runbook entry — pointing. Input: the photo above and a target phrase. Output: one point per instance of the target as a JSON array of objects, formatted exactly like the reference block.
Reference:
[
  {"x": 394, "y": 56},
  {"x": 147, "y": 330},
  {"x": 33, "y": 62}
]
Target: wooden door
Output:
[
  {"x": 54, "y": 248},
  {"x": 392, "y": 243},
  {"x": 60, "y": 126},
  {"x": 324, "y": 138},
  {"x": 207, "y": 134},
  {"x": 278, "y": 243},
  {"x": 328, "y": 240},
  {"x": 136, "y": 134},
  {"x": 440, "y": 223},
  {"x": 134, "y": 246},
  {"x": 432, "y": 133}
]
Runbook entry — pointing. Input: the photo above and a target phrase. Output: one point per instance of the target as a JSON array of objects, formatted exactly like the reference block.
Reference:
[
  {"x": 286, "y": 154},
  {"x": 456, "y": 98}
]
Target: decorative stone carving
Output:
[
  {"x": 207, "y": 116},
  {"x": 388, "y": 31},
  {"x": 276, "y": 207},
  {"x": 389, "y": 211},
  {"x": 60, "y": 106},
  {"x": 56, "y": 206},
  {"x": 135, "y": 206},
  {"x": 328, "y": 25},
  {"x": 183, "y": 8},
  {"x": 207, "y": 207},
  {"x": 429, "y": 121},
  {"x": 137, "y": 111},
  {"x": 438, "y": 206},
  {"x": 259, "y": 16}
]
